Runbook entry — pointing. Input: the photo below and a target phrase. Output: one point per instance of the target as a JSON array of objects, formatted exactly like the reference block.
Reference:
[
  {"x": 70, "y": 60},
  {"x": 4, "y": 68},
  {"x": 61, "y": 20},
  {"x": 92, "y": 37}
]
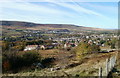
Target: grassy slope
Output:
[{"x": 89, "y": 67}]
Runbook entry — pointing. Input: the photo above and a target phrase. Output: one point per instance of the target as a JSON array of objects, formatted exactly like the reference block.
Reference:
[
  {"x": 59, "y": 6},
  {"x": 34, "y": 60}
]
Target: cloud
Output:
[
  {"x": 105, "y": 8},
  {"x": 77, "y": 8},
  {"x": 57, "y": 12},
  {"x": 48, "y": 9},
  {"x": 32, "y": 11},
  {"x": 28, "y": 7}
]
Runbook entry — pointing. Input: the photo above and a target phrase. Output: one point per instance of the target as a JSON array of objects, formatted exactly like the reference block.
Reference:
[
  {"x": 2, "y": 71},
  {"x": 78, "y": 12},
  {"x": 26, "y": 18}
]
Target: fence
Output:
[{"x": 109, "y": 64}]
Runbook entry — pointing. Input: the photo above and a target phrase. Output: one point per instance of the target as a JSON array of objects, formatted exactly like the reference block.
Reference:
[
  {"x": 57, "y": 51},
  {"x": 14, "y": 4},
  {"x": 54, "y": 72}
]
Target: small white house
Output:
[
  {"x": 43, "y": 47},
  {"x": 31, "y": 47}
]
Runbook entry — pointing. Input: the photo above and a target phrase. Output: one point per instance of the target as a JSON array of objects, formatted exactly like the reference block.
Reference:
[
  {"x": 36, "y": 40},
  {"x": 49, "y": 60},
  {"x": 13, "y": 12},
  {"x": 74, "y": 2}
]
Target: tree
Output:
[
  {"x": 113, "y": 46},
  {"x": 31, "y": 57},
  {"x": 5, "y": 45},
  {"x": 84, "y": 48},
  {"x": 6, "y": 65},
  {"x": 94, "y": 48},
  {"x": 19, "y": 46},
  {"x": 14, "y": 61},
  {"x": 102, "y": 41},
  {"x": 113, "y": 42}
]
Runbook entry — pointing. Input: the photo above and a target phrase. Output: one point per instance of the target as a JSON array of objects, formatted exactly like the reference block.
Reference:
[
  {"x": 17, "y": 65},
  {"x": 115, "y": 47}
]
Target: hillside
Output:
[
  {"x": 88, "y": 67},
  {"x": 34, "y": 26}
]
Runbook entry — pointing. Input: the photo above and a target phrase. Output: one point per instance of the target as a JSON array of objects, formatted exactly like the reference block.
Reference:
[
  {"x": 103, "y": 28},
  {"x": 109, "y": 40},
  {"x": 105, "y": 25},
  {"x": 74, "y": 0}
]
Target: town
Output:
[
  {"x": 54, "y": 50},
  {"x": 61, "y": 38}
]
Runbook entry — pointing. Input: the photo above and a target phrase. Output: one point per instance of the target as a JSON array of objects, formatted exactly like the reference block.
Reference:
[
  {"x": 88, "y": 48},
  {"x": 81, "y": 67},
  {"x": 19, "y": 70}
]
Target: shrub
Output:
[
  {"x": 84, "y": 48},
  {"x": 47, "y": 62},
  {"x": 6, "y": 65},
  {"x": 31, "y": 57},
  {"x": 15, "y": 62}
]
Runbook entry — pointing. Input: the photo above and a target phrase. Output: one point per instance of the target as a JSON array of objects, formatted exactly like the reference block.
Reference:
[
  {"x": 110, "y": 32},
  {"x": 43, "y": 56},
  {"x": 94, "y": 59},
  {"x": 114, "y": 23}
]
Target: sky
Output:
[{"x": 88, "y": 14}]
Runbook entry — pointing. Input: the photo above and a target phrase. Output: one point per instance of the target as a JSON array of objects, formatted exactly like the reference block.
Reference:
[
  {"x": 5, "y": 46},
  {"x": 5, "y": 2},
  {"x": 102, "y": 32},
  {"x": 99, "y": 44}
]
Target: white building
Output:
[{"x": 31, "y": 47}]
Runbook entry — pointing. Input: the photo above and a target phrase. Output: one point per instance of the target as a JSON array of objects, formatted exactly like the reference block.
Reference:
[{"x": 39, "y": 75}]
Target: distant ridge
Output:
[
  {"x": 29, "y": 24},
  {"x": 36, "y": 26}
]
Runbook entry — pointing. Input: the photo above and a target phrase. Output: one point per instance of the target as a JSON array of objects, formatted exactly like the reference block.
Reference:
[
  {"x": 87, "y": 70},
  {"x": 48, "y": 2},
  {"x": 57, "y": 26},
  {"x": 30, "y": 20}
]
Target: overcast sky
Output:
[{"x": 89, "y": 14}]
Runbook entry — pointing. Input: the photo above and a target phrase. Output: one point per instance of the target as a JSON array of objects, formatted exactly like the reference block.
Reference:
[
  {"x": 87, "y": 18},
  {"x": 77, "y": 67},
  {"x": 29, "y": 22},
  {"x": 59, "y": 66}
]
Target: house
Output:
[
  {"x": 65, "y": 45},
  {"x": 31, "y": 47},
  {"x": 44, "y": 47},
  {"x": 69, "y": 45}
]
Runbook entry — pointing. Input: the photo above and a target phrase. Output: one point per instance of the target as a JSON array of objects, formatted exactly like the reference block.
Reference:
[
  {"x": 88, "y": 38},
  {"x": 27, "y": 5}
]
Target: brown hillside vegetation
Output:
[
  {"x": 34, "y": 26},
  {"x": 88, "y": 67}
]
